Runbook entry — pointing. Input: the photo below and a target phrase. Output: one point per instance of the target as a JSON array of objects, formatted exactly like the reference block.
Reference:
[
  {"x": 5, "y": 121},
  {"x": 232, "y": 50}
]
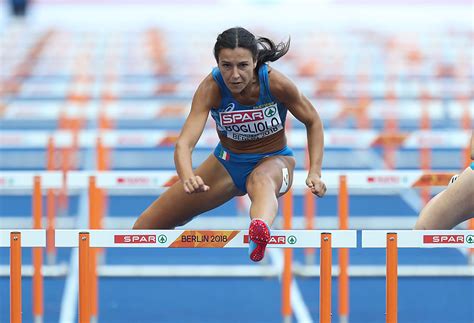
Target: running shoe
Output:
[{"x": 259, "y": 236}]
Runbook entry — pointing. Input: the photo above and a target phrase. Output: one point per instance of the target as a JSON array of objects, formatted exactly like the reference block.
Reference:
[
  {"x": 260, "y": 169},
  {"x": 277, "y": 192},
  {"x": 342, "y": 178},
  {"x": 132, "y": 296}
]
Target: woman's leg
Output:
[
  {"x": 450, "y": 207},
  {"x": 264, "y": 185},
  {"x": 270, "y": 179},
  {"x": 175, "y": 207}
]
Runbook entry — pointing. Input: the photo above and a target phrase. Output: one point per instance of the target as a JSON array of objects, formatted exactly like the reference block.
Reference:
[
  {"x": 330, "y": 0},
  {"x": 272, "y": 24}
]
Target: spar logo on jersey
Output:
[
  {"x": 135, "y": 238},
  {"x": 251, "y": 124},
  {"x": 237, "y": 117},
  {"x": 443, "y": 238}
]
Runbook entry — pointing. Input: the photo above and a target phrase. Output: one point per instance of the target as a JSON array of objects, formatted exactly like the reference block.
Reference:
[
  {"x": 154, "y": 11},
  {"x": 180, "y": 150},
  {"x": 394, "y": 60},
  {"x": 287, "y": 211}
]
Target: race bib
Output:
[{"x": 252, "y": 124}]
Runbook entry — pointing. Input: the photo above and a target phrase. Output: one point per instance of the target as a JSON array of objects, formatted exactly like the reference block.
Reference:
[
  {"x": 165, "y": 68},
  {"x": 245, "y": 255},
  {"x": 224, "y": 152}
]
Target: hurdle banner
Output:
[
  {"x": 25, "y": 180},
  {"x": 202, "y": 238},
  {"x": 355, "y": 139},
  {"x": 149, "y": 110},
  {"x": 420, "y": 238},
  {"x": 144, "y": 180}
]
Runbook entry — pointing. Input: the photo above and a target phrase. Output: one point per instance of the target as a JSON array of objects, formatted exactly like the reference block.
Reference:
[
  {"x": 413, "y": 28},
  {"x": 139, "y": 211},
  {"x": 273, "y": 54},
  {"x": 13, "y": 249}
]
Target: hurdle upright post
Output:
[
  {"x": 50, "y": 208},
  {"x": 84, "y": 290},
  {"x": 310, "y": 215},
  {"x": 343, "y": 253},
  {"x": 425, "y": 152},
  {"x": 37, "y": 253},
  {"x": 15, "y": 277},
  {"x": 287, "y": 260},
  {"x": 325, "y": 279},
  {"x": 392, "y": 279},
  {"x": 94, "y": 219}
]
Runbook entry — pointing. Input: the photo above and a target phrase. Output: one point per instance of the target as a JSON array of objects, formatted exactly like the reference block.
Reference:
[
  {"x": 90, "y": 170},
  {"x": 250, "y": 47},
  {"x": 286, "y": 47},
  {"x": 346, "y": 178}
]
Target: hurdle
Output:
[
  {"x": 394, "y": 239},
  {"x": 288, "y": 239},
  {"x": 15, "y": 240},
  {"x": 35, "y": 182}
]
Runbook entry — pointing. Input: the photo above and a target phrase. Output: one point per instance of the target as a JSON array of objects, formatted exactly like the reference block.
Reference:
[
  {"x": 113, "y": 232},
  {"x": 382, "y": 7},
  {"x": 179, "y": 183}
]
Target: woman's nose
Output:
[{"x": 235, "y": 73}]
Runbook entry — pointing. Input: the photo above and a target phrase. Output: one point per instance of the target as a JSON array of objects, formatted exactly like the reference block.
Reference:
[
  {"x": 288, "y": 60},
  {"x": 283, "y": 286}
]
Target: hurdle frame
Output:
[
  {"x": 16, "y": 240},
  {"x": 86, "y": 240},
  {"x": 392, "y": 240}
]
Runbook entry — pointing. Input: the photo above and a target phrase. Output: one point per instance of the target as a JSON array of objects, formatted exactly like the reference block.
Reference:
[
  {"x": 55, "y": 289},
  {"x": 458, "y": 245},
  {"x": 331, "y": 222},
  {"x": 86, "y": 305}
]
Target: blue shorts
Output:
[
  {"x": 239, "y": 166},
  {"x": 472, "y": 165}
]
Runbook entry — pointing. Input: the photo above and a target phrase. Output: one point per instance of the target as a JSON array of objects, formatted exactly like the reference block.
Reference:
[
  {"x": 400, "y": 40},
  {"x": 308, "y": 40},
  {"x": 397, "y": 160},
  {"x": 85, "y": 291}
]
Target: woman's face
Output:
[{"x": 237, "y": 67}]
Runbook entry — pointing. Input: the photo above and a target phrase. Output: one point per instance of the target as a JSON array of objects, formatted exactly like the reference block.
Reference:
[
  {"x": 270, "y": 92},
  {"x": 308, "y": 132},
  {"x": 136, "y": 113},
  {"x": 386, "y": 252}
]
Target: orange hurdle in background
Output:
[
  {"x": 15, "y": 277},
  {"x": 50, "y": 207},
  {"x": 15, "y": 240},
  {"x": 37, "y": 253},
  {"x": 343, "y": 206}
]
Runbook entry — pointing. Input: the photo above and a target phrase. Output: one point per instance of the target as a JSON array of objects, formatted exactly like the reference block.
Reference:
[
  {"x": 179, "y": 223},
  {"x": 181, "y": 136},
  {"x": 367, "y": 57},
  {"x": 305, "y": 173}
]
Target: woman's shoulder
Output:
[
  {"x": 209, "y": 89},
  {"x": 281, "y": 86}
]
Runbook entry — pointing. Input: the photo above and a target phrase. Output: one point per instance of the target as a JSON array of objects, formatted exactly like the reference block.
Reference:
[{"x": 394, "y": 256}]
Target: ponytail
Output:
[{"x": 269, "y": 52}]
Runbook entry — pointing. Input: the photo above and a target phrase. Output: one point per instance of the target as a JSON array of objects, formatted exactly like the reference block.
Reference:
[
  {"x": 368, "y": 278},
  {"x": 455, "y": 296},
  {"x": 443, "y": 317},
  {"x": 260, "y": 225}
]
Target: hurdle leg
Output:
[
  {"x": 84, "y": 290},
  {"x": 392, "y": 278},
  {"x": 325, "y": 279},
  {"x": 37, "y": 254},
  {"x": 15, "y": 277}
]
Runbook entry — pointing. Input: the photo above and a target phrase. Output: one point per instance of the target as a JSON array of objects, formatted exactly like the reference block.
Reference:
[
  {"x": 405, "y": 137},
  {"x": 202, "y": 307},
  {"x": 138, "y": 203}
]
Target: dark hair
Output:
[{"x": 263, "y": 49}]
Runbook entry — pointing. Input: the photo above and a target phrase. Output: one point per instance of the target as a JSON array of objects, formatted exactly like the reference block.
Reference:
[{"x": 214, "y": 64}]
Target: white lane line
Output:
[
  {"x": 297, "y": 302},
  {"x": 276, "y": 256},
  {"x": 70, "y": 294}
]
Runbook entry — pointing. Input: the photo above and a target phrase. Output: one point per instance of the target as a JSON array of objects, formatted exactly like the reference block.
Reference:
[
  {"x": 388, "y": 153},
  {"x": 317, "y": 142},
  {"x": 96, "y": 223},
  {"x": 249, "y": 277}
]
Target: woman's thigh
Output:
[
  {"x": 175, "y": 207},
  {"x": 277, "y": 169}
]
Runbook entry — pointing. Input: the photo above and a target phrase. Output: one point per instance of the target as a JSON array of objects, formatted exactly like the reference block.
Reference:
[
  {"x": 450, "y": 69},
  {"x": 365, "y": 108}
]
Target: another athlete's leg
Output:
[
  {"x": 269, "y": 180},
  {"x": 451, "y": 207},
  {"x": 175, "y": 207}
]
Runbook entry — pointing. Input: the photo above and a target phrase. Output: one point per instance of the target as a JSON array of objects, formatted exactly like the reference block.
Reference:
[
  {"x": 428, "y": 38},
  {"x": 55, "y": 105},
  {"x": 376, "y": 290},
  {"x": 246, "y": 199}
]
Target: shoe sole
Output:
[{"x": 260, "y": 234}]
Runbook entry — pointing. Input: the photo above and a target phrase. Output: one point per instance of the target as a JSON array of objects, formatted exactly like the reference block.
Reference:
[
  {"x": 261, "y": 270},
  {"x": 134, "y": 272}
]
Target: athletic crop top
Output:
[{"x": 246, "y": 123}]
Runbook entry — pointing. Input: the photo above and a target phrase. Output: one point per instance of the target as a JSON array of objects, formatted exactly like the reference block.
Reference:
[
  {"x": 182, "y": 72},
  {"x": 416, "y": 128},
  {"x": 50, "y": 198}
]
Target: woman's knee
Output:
[{"x": 260, "y": 180}]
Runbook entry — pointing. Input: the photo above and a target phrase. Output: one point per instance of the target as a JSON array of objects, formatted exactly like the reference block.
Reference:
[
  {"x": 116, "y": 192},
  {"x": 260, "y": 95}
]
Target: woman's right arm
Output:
[{"x": 190, "y": 134}]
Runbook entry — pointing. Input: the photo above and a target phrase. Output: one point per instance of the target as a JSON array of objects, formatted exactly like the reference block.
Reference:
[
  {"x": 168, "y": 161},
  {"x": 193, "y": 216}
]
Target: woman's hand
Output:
[
  {"x": 316, "y": 185},
  {"x": 195, "y": 184}
]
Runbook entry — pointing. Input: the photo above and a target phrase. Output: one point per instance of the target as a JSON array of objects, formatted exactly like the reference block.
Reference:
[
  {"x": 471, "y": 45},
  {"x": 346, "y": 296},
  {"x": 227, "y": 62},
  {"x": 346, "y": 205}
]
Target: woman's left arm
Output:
[{"x": 286, "y": 92}]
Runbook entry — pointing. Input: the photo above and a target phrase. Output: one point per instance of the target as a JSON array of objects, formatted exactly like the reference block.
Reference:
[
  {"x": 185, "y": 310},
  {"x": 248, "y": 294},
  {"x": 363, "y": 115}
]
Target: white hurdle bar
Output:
[
  {"x": 87, "y": 239},
  {"x": 394, "y": 239},
  {"x": 354, "y": 139},
  {"x": 15, "y": 240},
  {"x": 377, "y": 180}
]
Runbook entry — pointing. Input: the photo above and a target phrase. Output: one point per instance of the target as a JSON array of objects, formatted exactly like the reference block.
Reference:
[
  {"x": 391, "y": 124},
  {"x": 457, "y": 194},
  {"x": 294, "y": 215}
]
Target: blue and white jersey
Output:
[{"x": 242, "y": 122}]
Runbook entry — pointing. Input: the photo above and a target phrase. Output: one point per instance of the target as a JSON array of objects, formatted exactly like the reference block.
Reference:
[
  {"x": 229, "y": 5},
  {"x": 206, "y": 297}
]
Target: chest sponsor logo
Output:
[{"x": 251, "y": 124}]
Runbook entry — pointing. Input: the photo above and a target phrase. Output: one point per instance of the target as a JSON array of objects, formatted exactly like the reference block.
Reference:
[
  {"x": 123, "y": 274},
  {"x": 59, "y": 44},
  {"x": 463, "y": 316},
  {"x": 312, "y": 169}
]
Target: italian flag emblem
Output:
[{"x": 224, "y": 155}]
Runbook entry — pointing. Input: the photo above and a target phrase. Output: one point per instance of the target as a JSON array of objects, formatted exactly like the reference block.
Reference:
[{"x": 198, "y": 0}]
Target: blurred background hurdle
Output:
[
  {"x": 392, "y": 240},
  {"x": 16, "y": 240},
  {"x": 85, "y": 239}
]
